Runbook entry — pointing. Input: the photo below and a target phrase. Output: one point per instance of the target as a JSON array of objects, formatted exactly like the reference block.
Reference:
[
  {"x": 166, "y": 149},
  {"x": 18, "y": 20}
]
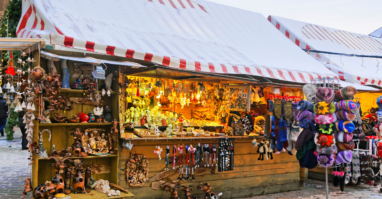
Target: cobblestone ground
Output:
[
  {"x": 14, "y": 163},
  {"x": 13, "y": 167}
]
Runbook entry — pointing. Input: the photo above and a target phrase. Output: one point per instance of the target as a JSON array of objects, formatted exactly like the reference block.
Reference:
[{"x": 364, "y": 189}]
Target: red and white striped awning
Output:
[
  {"x": 193, "y": 35},
  {"x": 363, "y": 71}
]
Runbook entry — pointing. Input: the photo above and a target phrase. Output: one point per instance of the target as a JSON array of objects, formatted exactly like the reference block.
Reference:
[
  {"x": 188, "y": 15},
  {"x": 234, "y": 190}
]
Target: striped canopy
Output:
[
  {"x": 359, "y": 70},
  {"x": 193, "y": 35}
]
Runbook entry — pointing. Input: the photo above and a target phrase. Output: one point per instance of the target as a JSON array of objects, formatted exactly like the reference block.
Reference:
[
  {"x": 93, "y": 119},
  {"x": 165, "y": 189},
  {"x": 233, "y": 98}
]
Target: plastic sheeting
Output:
[{"x": 183, "y": 34}]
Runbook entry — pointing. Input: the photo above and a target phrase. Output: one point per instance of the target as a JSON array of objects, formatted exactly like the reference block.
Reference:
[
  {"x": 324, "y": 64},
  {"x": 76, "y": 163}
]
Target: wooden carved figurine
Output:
[
  {"x": 59, "y": 181},
  {"x": 206, "y": 187},
  {"x": 187, "y": 192},
  {"x": 27, "y": 187},
  {"x": 68, "y": 177},
  {"x": 78, "y": 180}
]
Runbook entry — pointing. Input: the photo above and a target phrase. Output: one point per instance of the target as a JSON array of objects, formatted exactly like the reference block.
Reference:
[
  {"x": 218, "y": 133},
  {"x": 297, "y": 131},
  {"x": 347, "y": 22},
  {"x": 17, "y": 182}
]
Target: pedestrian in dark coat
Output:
[{"x": 3, "y": 114}]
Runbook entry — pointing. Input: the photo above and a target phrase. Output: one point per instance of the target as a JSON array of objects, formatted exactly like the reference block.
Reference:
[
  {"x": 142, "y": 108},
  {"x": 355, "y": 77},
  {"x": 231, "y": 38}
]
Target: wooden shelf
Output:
[
  {"x": 89, "y": 157},
  {"x": 98, "y": 195},
  {"x": 198, "y": 138},
  {"x": 75, "y": 124},
  {"x": 80, "y": 91}
]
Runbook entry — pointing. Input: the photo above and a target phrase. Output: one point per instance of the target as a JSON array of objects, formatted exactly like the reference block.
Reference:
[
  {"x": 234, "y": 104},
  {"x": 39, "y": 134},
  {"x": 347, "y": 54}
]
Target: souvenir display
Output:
[
  {"x": 137, "y": 170},
  {"x": 226, "y": 154}
]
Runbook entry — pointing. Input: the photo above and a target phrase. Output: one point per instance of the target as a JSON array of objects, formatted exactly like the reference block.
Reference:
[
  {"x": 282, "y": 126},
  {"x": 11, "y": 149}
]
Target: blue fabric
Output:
[{"x": 282, "y": 135}]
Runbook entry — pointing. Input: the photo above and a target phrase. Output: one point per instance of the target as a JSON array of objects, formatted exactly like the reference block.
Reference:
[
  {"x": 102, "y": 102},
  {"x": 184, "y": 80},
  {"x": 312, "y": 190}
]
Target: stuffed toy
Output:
[
  {"x": 270, "y": 150},
  {"x": 263, "y": 151}
]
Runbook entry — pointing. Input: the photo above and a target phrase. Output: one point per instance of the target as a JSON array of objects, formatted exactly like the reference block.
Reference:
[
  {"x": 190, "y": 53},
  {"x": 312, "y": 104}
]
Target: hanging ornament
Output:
[
  {"x": 23, "y": 105},
  {"x": 33, "y": 107},
  {"x": 9, "y": 101},
  {"x": 8, "y": 86},
  {"x": 11, "y": 69},
  {"x": 29, "y": 106},
  {"x": 12, "y": 90},
  {"x": 32, "y": 117}
]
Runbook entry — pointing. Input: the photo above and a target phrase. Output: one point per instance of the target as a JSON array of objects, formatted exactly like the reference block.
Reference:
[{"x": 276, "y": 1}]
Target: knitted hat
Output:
[
  {"x": 343, "y": 137},
  {"x": 327, "y": 129},
  {"x": 344, "y": 157},
  {"x": 341, "y": 146},
  {"x": 327, "y": 150},
  {"x": 309, "y": 161},
  {"x": 326, "y": 119},
  {"x": 324, "y": 94},
  {"x": 323, "y": 140},
  {"x": 345, "y": 126},
  {"x": 346, "y": 105},
  {"x": 322, "y": 108},
  {"x": 305, "y": 115},
  {"x": 294, "y": 131},
  {"x": 325, "y": 160},
  {"x": 345, "y": 115},
  {"x": 308, "y": 146},
  {"x": 304, "y": 136},
  {"x": 305, "y": 105},
  {"x": 310, "y": 92},
  {"x": 346, "y": 93}
]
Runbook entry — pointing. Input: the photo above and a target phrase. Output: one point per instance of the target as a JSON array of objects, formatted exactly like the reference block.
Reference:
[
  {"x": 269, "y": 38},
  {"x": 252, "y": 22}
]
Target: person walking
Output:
[
  {"x": 24, "y": 141},
  {"x": 3, "y": 114}
]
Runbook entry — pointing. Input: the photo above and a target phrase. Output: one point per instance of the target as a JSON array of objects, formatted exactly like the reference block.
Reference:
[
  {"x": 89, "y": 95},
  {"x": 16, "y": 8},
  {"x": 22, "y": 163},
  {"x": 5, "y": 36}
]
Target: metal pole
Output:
[{"x": 327, "y": 184}]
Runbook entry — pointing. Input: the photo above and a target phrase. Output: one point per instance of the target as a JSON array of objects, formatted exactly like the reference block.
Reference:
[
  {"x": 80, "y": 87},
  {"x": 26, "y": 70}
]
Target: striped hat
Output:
[
  {"x": 324, "y": 94},
  {"x": 345, "y": 115},
  {"x": 345, "y": 126},
  {"x": 346, "y": 105},
  {"x": 346, "y": 93},
  {"x": 344, "y": 157}
]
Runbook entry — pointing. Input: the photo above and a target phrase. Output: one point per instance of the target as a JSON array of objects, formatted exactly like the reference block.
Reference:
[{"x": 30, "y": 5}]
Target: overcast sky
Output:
[{"x": 359, "y": 16}]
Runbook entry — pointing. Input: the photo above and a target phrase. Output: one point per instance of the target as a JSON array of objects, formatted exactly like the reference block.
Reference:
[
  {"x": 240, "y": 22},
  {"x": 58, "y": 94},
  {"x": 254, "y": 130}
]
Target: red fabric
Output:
[{"x": 11, "y": 70}]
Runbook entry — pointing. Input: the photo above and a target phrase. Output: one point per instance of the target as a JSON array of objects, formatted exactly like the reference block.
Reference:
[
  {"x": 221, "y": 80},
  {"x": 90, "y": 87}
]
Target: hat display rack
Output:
[{"x": 333, "y": 111}]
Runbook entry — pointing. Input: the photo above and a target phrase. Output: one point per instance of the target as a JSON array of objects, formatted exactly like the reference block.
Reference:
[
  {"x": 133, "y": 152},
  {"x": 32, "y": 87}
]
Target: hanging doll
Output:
[
  {"x": 269, "y": 149},
  {"x": 263, "y": 151}
]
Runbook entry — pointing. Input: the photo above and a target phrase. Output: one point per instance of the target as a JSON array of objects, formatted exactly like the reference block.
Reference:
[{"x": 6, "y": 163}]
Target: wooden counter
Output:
[{"x": 250, "y": 176}]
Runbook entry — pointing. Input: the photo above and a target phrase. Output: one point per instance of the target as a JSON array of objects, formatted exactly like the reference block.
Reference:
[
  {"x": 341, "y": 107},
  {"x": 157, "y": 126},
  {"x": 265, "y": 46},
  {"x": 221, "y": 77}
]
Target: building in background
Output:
[{"x": 377, "y": 33}]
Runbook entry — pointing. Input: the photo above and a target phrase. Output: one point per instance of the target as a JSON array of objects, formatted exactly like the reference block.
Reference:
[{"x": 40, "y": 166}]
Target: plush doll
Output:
[
  {"x": 270, "y": 150},
  {"x": 263, "y": 151}
]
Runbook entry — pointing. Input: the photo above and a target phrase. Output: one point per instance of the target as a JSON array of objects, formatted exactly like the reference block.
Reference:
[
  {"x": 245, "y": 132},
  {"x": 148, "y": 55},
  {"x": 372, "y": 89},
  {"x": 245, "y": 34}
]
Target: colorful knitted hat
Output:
[
  {"x": 310, "y": 92},
  {"x": 343, "y": 137},
  {"x": 346, "y": 105},
  {"x": 322, "y": 108},
  {"x": 341, "y": 146},
  {"x": 305, "y": 115},
  {"x": 325, "y": 160},
  {"x": 308, "y": 146},
  {"x": 304, "y": 105},
  {"x": 326, "y": 119},
  {"x": 344, "y": 157},
  {"x": 345, "y": 126},
  {"x": 327, "y": 150},
  {"x": 346, "y": 93},
  {"x": 345, "y": 115},
  {"x": 326, "y": 129},
  {"x": 323, "y": 140},
  {"x": 324, "y": 94}
]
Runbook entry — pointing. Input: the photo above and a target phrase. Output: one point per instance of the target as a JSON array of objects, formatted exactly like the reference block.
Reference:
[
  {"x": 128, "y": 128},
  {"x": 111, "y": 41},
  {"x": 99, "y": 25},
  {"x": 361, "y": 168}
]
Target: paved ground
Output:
[
  {"x": 14, "y": 163},
  {"x": 13, "y": 167}
]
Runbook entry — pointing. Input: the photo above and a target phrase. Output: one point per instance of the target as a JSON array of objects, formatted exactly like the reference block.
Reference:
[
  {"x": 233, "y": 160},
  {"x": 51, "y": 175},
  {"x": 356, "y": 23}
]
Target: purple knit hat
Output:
[
  {"x": 344, "y": 157},
  {"x": 325, "y": 160},
  {"x": 305, "y": 114},
  {"x": 324, "y": 94},
  {"x": 327, "y": 150}
]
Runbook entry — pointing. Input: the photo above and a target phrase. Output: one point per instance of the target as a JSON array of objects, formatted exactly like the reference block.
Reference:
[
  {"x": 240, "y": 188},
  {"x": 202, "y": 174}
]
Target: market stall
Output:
[{"x": 196, "y": 111}]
